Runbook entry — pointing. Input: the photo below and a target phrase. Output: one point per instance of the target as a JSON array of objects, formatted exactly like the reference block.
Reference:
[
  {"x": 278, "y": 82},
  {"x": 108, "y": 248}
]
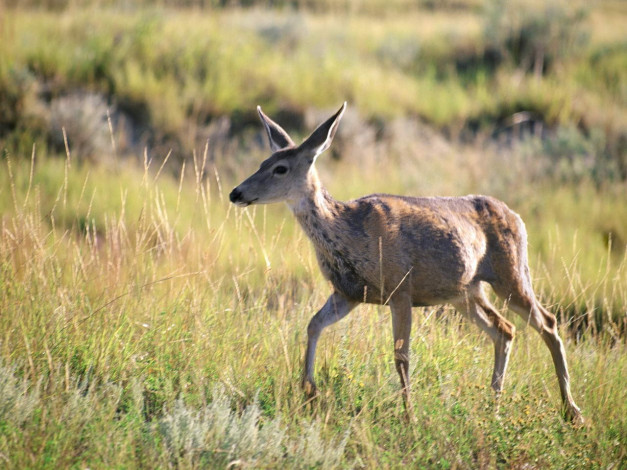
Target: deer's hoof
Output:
[
  {"x": 309, "y": 388},
  {"x": 574, "y": 416}
]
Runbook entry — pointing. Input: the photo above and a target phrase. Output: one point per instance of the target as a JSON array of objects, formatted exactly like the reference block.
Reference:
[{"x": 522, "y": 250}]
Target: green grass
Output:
[{"x": 167, "y": 328}]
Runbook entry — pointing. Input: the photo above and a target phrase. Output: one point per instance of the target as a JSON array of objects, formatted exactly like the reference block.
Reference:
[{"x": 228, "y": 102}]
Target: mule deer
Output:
[{"x": 406, "y": 251}]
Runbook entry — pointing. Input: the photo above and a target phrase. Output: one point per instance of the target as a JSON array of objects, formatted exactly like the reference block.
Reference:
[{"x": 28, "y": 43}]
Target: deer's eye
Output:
[{"x": 279, "y": 170}]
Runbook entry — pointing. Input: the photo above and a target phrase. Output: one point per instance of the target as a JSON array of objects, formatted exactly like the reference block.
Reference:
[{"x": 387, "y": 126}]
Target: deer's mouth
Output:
[{"x": 245, "y": 203}]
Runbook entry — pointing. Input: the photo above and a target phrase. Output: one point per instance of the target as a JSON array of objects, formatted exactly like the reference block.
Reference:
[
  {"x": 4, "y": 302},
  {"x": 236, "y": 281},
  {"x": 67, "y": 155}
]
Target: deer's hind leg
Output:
[
  {"x": 523, "y": 302},
  {"x": 480, "y": 311},
  {"x": 514, "y": 285}
]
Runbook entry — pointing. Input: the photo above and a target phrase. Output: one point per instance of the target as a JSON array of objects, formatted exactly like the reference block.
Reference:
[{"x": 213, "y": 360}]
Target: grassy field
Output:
[{"x": 146, "y": 322}]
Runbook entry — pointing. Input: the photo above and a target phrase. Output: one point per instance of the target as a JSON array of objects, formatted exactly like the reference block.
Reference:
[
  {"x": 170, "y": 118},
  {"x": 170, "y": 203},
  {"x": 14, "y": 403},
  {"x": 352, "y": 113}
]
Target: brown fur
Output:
[{"x": 406, "y": 252}]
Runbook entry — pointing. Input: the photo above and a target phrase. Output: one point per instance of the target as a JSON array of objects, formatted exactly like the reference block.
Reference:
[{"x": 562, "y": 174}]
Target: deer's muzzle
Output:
[{"x": 237, "y": 197}]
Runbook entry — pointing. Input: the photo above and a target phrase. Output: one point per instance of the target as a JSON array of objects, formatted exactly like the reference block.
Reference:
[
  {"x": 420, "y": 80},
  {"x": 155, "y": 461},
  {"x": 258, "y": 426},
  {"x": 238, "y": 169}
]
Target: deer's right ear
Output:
[{"x": 279, "y": 139}]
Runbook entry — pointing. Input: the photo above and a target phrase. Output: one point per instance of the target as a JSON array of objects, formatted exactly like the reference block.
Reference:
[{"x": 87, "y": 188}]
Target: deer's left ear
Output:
[
  {"x": 279, "y": 139},
  {"x": 321, "y": 138}
]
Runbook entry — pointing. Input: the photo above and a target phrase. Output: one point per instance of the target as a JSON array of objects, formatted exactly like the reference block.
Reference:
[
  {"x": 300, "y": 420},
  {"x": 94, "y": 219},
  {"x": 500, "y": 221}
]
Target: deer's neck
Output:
[{"x": 318, "y": 213}]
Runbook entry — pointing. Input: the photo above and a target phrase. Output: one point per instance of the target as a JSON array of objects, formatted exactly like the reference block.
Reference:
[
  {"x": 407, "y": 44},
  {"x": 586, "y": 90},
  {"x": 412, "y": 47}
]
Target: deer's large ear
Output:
[
  {"x": 321, "y": 138},
  {"x": 279, "y": 139}
]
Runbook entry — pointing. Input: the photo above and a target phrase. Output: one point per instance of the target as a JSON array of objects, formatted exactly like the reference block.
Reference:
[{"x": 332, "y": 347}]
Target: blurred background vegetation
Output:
[{"x": 173, "y": 74}]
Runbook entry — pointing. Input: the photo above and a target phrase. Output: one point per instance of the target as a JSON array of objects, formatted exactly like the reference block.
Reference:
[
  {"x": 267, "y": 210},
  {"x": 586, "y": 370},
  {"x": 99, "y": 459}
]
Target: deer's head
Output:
[{"x": 284, "y": 176}]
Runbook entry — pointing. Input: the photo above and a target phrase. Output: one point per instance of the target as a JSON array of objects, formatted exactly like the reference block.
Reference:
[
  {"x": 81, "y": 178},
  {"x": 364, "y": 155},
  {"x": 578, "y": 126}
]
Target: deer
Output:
[{"x": 406, "y": 252}]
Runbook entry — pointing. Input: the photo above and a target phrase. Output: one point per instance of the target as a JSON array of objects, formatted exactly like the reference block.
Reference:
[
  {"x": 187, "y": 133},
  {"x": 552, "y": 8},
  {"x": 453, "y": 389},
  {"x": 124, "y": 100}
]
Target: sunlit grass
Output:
[{"x": 167, "y": 325}]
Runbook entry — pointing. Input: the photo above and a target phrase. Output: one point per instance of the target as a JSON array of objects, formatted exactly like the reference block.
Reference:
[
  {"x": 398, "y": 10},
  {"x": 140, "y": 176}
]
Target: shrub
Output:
[
  {"x": 18, "y": 400},
  {"x": 83, "y": 117},
  {"x": 535, "y": 38},
  {"x": 216, "y": 435}
]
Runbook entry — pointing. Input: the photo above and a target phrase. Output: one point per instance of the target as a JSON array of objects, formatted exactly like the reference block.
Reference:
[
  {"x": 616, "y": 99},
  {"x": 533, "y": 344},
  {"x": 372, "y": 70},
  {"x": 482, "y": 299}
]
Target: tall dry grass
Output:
[{"x": 147, "y": 322}]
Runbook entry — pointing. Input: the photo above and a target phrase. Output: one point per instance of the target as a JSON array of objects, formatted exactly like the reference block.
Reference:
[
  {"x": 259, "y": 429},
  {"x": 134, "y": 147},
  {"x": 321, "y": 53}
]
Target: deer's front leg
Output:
[
  {"x": 401, "y": 325},
  {"x": 336, "y": 307}
]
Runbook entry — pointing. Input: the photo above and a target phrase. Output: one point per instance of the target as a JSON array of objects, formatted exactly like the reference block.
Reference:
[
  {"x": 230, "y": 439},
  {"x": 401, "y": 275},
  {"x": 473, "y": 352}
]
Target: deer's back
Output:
[{"x": 430, "y": 248}]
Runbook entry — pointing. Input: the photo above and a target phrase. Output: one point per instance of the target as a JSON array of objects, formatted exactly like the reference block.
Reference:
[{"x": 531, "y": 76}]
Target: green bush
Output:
[{"x": 534, "y": 38}]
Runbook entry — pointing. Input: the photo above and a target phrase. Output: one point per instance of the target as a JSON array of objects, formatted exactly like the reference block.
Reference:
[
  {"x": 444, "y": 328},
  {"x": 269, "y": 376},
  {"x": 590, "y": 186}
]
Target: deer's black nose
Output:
[{"x": 235, "y": 195}]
